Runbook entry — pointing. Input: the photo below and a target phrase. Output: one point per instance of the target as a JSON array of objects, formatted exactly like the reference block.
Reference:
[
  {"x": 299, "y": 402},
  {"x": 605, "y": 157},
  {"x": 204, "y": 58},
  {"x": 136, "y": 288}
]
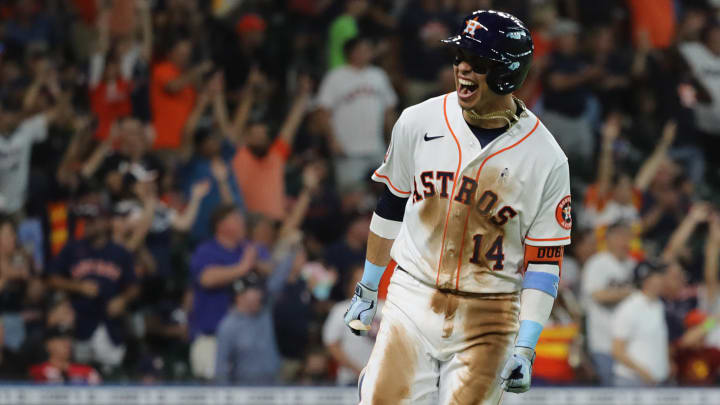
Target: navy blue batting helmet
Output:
[{"x": 501, "y": 38}]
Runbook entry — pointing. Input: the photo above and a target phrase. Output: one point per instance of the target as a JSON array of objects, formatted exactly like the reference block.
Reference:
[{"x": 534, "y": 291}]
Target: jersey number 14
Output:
[{"x": 494, "y": 253}]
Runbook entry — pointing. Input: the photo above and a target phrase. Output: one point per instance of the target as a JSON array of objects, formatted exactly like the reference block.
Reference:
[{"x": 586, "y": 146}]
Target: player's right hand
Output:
[
  {"x": 516, "y": 373},
  {"x": 360, "y": 314}
]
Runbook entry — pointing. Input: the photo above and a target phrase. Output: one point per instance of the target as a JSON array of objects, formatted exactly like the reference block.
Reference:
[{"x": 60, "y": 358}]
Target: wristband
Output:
[
  {"x": 372, "y": 275},
  {"x": 529, "y": 334}
]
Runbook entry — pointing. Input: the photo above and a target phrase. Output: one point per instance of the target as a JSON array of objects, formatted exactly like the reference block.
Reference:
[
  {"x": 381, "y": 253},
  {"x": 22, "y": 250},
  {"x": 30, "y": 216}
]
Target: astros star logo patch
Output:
[
  {"x": 471, "y": 26},
  {"x": 563, "y": 213}
]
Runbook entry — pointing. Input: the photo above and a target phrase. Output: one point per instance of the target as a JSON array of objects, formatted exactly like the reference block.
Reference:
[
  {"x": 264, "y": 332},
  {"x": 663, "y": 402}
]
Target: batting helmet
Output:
[{"x": 502, "y": 38}]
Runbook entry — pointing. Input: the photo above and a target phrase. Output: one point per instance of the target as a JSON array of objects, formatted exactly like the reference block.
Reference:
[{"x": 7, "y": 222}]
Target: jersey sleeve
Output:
[
  {"x": 553, "y": 220},
  {"x": 396, "y": 169}
]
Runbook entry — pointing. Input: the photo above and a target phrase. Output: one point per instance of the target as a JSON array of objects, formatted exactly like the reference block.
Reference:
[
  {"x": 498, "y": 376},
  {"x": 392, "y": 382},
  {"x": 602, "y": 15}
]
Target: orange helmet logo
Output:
[{"x": 471, "y": 26}]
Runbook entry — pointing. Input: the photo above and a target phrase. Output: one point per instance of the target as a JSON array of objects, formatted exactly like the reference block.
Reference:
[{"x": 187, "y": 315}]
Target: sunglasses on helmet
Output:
[{"x": 479, "y": 64}]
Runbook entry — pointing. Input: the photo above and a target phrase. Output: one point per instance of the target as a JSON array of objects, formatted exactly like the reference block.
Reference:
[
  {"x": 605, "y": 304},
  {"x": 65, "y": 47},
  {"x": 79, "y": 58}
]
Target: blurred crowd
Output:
[{"x": 185, "y": 193}]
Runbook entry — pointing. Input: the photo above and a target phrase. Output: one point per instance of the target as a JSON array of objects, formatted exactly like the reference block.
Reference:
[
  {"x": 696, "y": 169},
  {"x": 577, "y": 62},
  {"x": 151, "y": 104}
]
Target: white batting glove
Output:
[
  {"x": 516, "y": 374},
  {"x": 360, "y": 314}
]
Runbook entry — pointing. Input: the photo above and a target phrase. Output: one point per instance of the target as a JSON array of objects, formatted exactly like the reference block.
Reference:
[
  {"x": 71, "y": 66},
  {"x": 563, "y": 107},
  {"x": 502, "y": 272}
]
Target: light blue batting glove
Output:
[
  {"x": 515, "y": 376},
  {"x": 361, "y": 312}
]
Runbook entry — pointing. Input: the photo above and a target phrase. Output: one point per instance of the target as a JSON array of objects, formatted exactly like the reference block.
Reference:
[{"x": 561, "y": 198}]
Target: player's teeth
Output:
[{"x": 466, "y": 82}]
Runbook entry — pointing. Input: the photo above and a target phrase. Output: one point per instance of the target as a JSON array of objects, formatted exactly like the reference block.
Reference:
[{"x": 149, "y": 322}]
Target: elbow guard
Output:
[{"x": 388, "y": 216}]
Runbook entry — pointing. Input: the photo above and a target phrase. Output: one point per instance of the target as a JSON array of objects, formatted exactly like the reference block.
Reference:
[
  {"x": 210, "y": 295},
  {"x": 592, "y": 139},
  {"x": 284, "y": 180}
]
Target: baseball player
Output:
[{"x": 476, "y": 214}]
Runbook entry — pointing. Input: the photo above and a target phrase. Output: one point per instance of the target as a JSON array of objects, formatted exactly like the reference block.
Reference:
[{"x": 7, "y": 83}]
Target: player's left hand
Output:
[{"x": 515, "y": 375}]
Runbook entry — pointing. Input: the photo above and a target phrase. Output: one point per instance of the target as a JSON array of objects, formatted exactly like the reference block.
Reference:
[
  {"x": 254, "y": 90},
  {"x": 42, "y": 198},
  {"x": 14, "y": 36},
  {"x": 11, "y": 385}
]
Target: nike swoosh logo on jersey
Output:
[{"x": 430, "y": 138}]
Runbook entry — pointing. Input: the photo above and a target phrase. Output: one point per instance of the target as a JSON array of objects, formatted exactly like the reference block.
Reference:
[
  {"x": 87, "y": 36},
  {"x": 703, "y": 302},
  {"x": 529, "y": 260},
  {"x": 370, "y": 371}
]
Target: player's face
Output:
[{"x": 470, "y": 72}]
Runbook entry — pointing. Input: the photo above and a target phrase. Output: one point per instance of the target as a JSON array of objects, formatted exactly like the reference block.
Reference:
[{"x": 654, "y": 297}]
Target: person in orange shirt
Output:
[
  {"x": 173, "y": 92},
  {"x": 654, "y": 19},
  {"x": 259, "y": 164}
]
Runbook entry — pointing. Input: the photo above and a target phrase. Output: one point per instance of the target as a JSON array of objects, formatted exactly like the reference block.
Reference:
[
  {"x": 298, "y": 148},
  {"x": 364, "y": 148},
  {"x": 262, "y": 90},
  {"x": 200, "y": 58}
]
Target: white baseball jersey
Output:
[{"x": 471, "y": 209}]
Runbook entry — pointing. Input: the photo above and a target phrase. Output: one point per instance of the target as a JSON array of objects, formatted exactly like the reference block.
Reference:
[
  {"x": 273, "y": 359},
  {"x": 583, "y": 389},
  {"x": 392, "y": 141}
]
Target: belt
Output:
[{"x": 458, "y": 292}]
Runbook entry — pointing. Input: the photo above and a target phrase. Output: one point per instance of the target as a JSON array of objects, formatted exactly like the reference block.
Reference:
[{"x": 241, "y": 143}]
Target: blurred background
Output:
[{"x": 185, "y": 193}]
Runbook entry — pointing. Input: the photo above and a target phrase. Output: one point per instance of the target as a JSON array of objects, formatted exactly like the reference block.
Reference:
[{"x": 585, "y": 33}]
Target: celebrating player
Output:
[{"x": 476, "y": 213}]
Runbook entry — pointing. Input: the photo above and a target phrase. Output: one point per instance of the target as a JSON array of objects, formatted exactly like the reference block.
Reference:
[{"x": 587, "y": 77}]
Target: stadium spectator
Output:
[
  {"x": 100, "y": 277},
  {"x": 11, "y": 365},
  {"x": 29, "y": 25},
  {"x": 59, "y": 368},
  {"x": 293, "y": 311},
  {"x": 697, "y": 360},
  {"x": 620, "y": 66},
  {"x": 702, "y": 58},
  {"x": 640, "y": 343},
  {"x": 343, "y": 29},
  {"x": 247, "y": 351},
  {"x": 584, "y": 246},
  {"x": 110, "y": 80},
  {"x": 173, "y": 92},
  {"x": 358, "y": 104},
  {"x": 17, "y": 136},
  {"x": 144, "y": 223},
  {"x": 654, "y": 19},
  {"x": 18, "y": 278},
  {"x": 350, "y": 352},
  {"x": 709, "y": 293},
  {"x": 293, "y": 315},
  {"x": 124, "y": 152},
  {"x": 567, "y": 95},
  {"x": 346, "y": 253},
  {"x": 259, "y": 162},
  {"x": 422, "y": 27},
  {"x": 247, "y": 51},
  {"x": 214, "y": 267},
  {"x": 606, "y": 282},
  {"x": 210, "y": 157}
]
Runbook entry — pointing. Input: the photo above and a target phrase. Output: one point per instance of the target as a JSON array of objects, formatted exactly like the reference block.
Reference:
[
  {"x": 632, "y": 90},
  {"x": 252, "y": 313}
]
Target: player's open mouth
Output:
[{"x": 466, "y": 88}]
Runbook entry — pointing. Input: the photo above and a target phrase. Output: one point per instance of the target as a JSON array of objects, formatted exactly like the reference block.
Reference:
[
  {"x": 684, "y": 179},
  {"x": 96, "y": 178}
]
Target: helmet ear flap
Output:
[
  {"x": 505, "y": 78},
  {"x": 497, "y": 80}
]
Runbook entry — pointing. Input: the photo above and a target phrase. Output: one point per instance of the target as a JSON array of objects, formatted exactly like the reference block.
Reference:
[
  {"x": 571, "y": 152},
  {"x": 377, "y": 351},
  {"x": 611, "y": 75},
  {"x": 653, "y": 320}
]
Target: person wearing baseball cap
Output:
[
  {"x": 247, "y": 351},
  {"x": 59, "y": 368},
  {"x": 99, "y": 277},
  {"x": 640, "y": 332}
]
